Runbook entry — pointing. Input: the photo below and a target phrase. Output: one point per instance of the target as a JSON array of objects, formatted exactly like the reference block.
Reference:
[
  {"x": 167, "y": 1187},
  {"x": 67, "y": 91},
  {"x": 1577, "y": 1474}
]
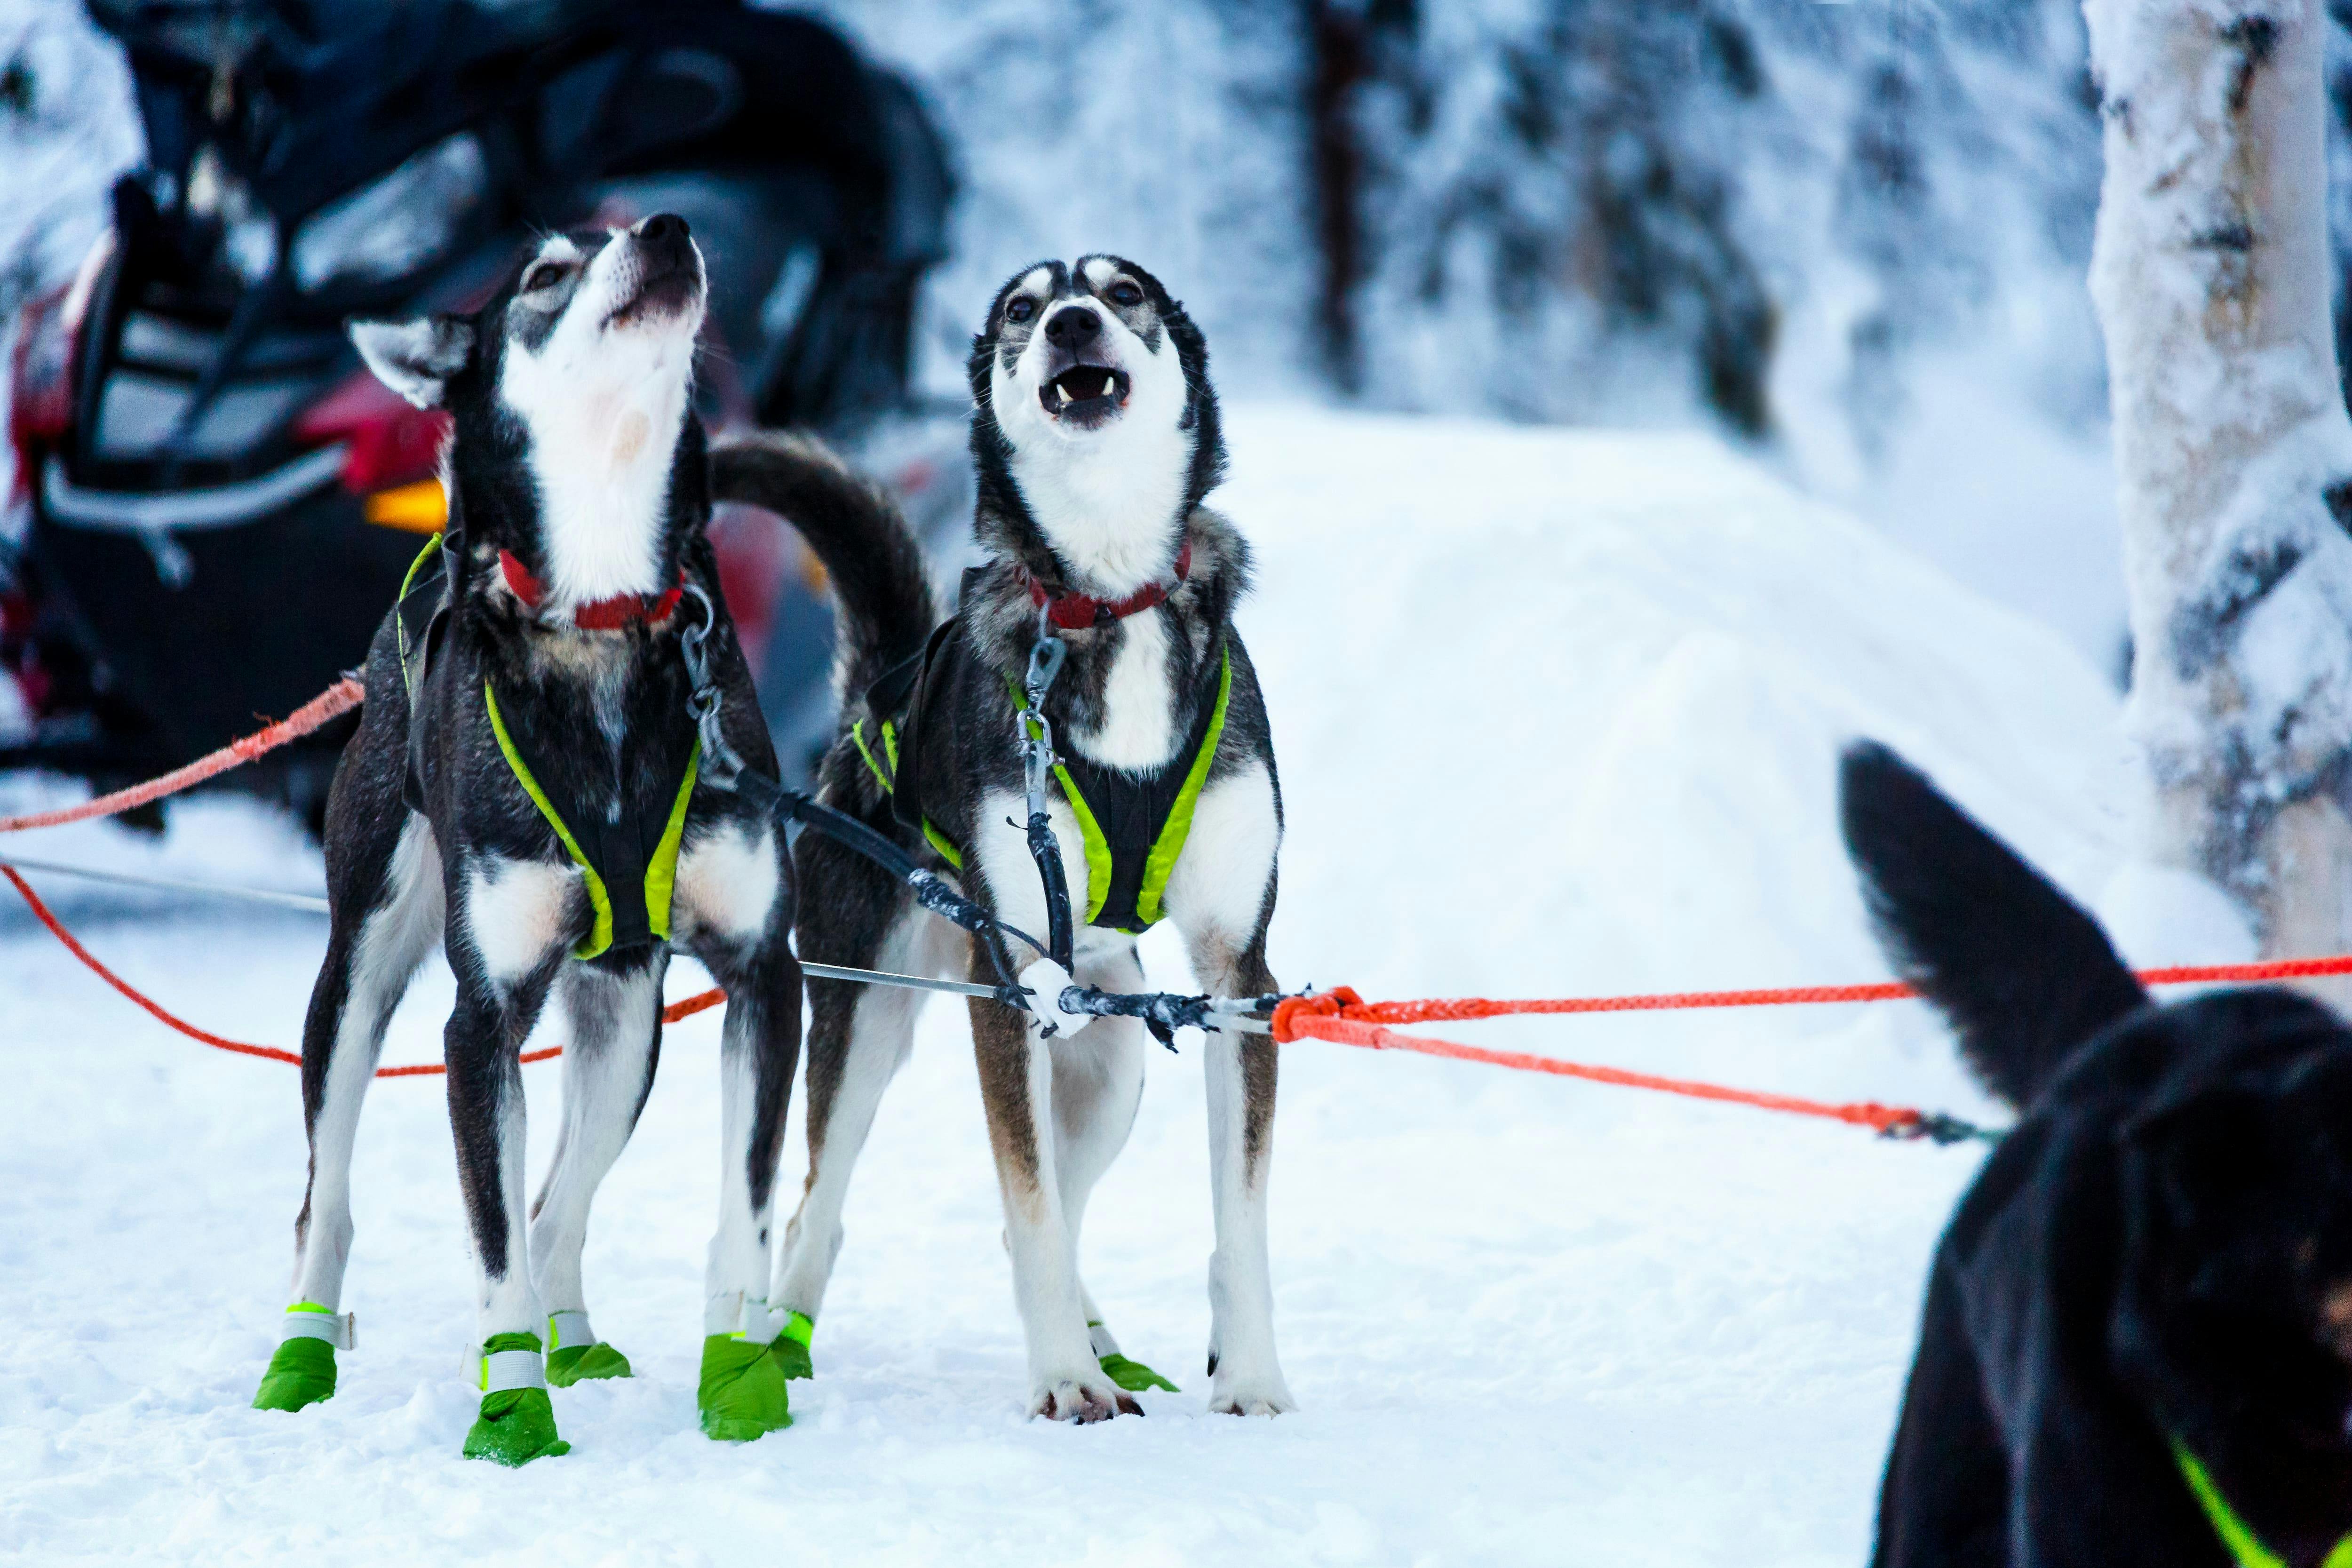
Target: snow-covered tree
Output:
[{"x": 2212, "y": 277}]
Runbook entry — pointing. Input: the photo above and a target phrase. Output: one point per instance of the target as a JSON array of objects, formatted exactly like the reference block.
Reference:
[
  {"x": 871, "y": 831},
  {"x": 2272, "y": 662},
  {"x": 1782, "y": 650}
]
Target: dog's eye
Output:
[
  {"x": 1126, "y": 295},
  {"x": 544, "y": 275},
  {"x": 1021, "y": 309}
]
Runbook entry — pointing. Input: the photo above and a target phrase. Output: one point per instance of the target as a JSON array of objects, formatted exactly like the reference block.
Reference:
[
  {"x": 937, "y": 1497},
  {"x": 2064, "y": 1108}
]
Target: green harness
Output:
[
  {"x": 640, "y": 914},
  {"x": 2245, "y": 1547},
  {"x": 1128, "y": 862}
]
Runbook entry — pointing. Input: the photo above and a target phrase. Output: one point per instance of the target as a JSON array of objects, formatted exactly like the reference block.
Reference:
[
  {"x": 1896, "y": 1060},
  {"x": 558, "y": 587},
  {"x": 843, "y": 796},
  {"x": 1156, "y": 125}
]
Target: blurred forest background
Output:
[{"x": 1852, "y": 236}]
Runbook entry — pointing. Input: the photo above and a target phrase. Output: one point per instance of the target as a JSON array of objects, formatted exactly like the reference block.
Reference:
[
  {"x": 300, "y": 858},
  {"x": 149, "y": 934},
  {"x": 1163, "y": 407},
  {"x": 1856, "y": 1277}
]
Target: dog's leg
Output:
[
  {"x": 511, "y": 926},
  {"x": 735, "y": 887},
  {"x": 860, "y": 1036},
  {"x": 379, "y": 935},
  {"x": 1221, "y": 896},
  {"x": 1098, "y": 1084},
  {"x": 1016, "y": 1087},
  {"x": 615, "y": 1022}
]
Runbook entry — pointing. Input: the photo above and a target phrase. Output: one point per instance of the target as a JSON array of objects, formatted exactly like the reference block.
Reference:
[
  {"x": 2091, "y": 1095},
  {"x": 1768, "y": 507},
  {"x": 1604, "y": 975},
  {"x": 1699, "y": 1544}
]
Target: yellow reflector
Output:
[{"x": 420, "y": 508}]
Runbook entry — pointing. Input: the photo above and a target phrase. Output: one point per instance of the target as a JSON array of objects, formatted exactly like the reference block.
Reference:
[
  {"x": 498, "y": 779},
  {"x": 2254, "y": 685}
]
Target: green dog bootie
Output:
[
  {"x": 745, "y": 1391},
  {"x": 791, "y": 1346},
  {"x": 1133, "y": 1375},
  {"x": 1130, "y": 1375},
  {"x": 517, "y": 1424},
  {"x": 303, "y": 1370},
  {"x": 574, "y": 1353}
]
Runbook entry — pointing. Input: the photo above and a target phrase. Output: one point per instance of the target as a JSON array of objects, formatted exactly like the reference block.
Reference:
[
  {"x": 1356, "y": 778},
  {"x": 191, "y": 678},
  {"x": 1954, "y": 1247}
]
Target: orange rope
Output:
[
  {"x": 337, "y": 700},
  {"x": 1338, "y": 1015},
  {"x": 1306, "y": 1023},
  {"x": 1342, "y": 1017},
  {"x": 41, "y": 912}
]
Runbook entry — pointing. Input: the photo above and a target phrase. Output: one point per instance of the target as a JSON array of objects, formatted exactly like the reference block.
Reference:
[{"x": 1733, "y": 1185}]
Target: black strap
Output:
[{"x": 1131, "y": 809}]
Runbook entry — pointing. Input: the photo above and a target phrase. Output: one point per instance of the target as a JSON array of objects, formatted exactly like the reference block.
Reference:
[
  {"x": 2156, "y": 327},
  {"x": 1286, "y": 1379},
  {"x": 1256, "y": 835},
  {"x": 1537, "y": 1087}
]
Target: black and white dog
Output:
[
  {"x": 1096, "y": 432},
  {"x": 523, "y": 787},
  {"x": 2137, "y": 1341}
]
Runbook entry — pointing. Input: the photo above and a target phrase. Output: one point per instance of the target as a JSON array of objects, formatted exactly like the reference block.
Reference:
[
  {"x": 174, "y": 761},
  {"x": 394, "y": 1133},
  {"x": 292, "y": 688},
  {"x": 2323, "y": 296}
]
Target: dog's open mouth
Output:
[
  {"x": 1085, "y": 390},
  {"x": 665, "y": 293}
]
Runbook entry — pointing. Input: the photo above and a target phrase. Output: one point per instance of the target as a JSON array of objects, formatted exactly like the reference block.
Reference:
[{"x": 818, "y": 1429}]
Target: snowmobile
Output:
[{"x": 215, "y": 501}]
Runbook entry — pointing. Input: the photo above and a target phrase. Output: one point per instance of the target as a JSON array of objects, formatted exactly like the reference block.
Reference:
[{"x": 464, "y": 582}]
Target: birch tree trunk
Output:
[{"x": 2211, "y": 277}]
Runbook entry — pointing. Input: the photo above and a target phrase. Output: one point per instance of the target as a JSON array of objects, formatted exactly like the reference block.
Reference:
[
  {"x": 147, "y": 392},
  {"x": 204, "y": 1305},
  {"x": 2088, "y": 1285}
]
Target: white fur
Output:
[
  {"x": 727, "y": 885},
  {"x": 603, "y": 404},
  {"x": 1138, "y": 729},
  {"x": 515, "y": 913},
  {"x": 611, "y": 1021},
  {"x": 882, "y": 1033},
  {"x": 1107, "y": 499},
  {"x": 416, "y": 359},
  {"x": 1214, "y": 896},
  {"x": 392, "y": 943},
  {"x": 1000, "y": 852},
  {"x": 1218, "y": 883}
]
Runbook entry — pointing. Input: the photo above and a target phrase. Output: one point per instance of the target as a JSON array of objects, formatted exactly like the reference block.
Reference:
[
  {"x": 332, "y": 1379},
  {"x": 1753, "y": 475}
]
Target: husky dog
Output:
[
  {"x": 1094, "y": 429},
  {"x": 2137, "y": 1341},
  {"x": 524, "y": 788}
]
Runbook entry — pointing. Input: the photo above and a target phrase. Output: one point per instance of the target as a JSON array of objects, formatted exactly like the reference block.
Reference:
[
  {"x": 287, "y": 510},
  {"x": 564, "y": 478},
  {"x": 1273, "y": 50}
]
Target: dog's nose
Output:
[
  {"x": 661, "y": 227},
  {"x": 1073, "y": 327}
]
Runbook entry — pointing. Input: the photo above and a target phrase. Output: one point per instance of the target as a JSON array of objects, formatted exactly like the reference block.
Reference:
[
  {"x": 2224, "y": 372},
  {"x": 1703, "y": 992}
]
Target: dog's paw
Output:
[
  {"x": 1082, "y": 1397},
  {"x": 1232, "y": 1394}
]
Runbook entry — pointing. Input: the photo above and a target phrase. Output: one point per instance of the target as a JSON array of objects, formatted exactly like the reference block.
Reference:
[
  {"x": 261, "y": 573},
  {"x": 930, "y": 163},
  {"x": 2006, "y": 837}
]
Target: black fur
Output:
[
  {"x": 2022, "y": 990},
  {"x": 603, "y": 714},
  {"x": 2160, "y": 1253},
  {"x": 959, "y": 757}
]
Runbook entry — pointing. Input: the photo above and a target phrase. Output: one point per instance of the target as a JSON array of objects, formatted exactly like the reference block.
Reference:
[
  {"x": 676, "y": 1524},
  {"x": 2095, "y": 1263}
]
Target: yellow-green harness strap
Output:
[
  {"x": 661, "y": 871},
  {"x": 1171, "y": 842},
  {"x": 2245, "y": 1547},
  {"x": 1169, "y": 845},
  {"x": 888, "y": 781}
]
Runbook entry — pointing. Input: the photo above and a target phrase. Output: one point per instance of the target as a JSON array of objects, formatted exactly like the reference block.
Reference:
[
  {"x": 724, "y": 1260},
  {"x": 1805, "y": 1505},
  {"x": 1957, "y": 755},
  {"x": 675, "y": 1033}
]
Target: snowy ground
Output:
[{"x": 1558, "y": 712}]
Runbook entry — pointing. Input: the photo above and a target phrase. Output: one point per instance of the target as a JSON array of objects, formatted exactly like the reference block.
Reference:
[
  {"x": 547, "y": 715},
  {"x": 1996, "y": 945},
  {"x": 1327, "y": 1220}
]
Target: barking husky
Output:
[
  {"x": 1096, "y": 433},
  {"x": 524, "y": 787}
]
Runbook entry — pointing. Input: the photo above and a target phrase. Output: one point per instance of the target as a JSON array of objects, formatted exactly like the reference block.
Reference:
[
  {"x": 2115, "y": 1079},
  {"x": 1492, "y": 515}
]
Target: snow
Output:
[{"x": 1558, "y": 712}]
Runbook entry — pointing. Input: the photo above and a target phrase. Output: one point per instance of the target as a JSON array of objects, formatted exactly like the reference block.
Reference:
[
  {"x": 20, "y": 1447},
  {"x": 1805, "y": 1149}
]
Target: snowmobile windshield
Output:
[{"x": 398, "y": 224}]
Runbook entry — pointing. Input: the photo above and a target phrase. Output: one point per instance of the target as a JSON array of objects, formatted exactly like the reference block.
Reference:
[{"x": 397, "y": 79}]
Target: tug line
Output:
[{"x": 1338, "y": 1015}]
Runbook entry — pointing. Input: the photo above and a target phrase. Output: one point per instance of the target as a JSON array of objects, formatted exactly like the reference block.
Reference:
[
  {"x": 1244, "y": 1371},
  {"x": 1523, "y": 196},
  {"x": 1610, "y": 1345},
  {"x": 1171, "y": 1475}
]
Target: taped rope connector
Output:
[
  {"x": 309, "y": 1321},
  {"x": 1941, "y": 1127}
]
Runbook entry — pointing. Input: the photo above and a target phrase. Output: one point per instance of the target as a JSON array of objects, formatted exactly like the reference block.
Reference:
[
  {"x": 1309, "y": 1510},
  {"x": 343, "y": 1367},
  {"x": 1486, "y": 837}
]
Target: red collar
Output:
[
  {"x": 1076, "y": 611},
  {"x": 597, "y": 614}
]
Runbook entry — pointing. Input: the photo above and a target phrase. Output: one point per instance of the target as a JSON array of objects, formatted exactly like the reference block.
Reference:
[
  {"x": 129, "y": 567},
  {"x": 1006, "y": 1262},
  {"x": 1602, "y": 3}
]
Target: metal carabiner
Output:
[{"x": 720, "y": 764}]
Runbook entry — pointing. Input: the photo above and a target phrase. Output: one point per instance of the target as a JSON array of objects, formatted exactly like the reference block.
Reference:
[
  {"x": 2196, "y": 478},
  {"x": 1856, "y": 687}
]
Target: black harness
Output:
[
  {"x": 627, "y": 858},
  {"x": 1134, "y": 825}
]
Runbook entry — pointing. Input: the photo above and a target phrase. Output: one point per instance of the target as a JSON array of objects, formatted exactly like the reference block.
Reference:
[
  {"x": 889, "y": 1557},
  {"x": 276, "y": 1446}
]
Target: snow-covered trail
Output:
[{"x": 1557, "y": 712}]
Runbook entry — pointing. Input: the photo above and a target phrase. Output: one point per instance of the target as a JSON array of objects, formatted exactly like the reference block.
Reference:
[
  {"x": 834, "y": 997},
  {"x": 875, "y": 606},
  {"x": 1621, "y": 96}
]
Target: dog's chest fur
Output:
[{"x": 600, "y": 458}]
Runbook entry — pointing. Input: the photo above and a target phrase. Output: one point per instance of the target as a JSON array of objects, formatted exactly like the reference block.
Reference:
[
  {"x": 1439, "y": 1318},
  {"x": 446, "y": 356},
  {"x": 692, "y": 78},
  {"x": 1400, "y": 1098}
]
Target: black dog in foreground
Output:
[{"x": 2137, "y": 1340}]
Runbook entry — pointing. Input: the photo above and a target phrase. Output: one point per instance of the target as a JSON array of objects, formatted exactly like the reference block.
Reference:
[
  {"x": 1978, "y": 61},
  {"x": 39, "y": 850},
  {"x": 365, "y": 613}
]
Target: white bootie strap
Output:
[
  {"x": 567, "y": 1328},
  {"x": 307, "y": 1321},
  {"x": 760, "y": 1322},
  {"x": 504, "y": 1370},
  {"x": 1046, "y": 981}
]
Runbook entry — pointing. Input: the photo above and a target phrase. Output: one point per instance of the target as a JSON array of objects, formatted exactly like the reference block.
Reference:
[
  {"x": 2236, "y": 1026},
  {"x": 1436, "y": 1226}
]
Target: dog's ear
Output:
[{"x": 416, "y": 359}]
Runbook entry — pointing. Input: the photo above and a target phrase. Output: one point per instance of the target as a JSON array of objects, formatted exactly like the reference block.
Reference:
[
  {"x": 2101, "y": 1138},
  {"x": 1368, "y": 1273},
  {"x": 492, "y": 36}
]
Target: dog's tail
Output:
[
  {"x": 2021, "y": 971},
  {"x": 859, "y": 536}
]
